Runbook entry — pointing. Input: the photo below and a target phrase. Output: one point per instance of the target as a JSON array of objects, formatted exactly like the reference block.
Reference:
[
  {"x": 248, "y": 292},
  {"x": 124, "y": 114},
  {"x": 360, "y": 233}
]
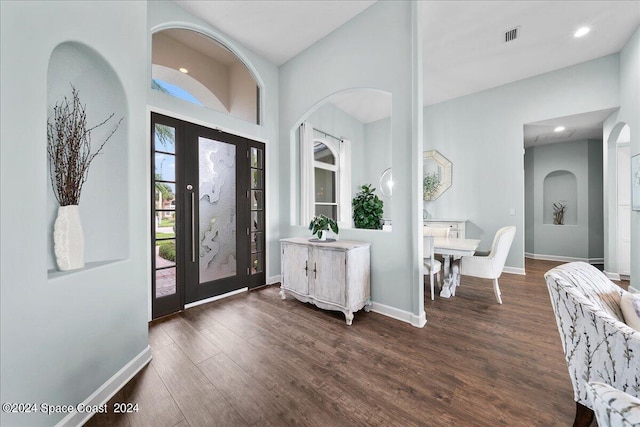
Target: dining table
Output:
[{"x": 452, "y": 248}]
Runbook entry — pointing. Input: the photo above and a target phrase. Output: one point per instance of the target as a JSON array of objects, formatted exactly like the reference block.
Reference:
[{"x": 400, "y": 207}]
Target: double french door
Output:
[{"x": 208, "y": 213}]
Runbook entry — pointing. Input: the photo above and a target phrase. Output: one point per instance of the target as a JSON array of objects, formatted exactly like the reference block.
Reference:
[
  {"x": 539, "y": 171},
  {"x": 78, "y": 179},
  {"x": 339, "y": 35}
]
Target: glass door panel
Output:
[
  {"x": 256, "y": 205},
  {"x": 165, "y": 280},
  {"x": 217, "y": 210}
]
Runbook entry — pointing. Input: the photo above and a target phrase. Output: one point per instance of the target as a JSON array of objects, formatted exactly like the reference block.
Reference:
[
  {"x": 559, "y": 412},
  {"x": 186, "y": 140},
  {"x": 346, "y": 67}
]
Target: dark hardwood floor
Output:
[{"x": 253, "y": 359}]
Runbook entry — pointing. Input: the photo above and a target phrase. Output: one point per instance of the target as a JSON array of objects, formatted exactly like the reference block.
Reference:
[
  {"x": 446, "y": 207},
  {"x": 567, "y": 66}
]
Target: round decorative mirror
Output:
[
  {"x": 436, "y": 174},
  {"x": 386, "y": 183}
]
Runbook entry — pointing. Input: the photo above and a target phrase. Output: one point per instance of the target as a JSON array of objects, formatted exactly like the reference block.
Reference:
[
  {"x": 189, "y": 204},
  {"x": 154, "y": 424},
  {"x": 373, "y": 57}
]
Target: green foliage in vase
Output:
[
  {"x": 367, "y": 209},
  {"x": 430, "y": 185},
  {"x": 321, "y": 223}
]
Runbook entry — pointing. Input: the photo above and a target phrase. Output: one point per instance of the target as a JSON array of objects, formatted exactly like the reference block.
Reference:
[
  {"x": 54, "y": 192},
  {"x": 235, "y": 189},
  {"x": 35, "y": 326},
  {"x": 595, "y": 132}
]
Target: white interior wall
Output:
[
  {"x": 382, "y": 36},
  {"x": 62, "y": 338},
  {"x": 482, "y": 135}
]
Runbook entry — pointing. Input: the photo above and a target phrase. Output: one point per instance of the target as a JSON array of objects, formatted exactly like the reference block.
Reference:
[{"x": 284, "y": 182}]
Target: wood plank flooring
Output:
[{"x": 255, "y": 360}]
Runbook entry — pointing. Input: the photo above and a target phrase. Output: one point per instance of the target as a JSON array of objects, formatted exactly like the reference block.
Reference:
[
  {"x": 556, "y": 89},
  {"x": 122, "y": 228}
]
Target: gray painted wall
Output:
[
  {"x": 482, "y": 135},
  {"x": 65, "y": 335},
  {"x": 596, "y": 200},
  {"x": 377, "y": 158},
  {"x": 579, "y": 184},
  {"x": 305, "y": 81}
]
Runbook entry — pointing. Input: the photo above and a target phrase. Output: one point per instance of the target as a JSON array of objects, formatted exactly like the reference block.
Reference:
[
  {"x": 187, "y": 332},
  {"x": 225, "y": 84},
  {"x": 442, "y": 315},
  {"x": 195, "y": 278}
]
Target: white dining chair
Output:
[
  {"x": 435, "y": 231},
  {"x": 432, "y": 266},
  {"x": 490, "y": 266}
]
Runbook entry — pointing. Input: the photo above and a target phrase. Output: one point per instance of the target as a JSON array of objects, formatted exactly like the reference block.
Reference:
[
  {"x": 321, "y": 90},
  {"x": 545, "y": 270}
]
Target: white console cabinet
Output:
[{"x": 330, "y": 275}]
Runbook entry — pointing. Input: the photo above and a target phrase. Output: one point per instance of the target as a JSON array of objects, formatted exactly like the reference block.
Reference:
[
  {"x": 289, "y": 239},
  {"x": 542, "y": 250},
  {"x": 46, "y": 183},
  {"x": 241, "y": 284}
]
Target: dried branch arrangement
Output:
[
  {"x": 559, "y": 208},
  {"x": 69, "y": 148}
]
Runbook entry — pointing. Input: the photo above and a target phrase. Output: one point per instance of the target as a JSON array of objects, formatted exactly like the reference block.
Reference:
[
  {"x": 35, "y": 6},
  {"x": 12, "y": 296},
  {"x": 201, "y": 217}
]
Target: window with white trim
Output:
[
  {"x": 325, "y": 176},
  {"x": 325, "y": 166}
]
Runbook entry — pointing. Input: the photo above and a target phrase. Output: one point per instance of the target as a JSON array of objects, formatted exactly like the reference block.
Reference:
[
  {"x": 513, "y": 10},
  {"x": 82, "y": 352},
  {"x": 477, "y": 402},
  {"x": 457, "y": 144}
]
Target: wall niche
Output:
[
  {"x": 104, "y": 202},
  {"x": 560, "y": 186}
]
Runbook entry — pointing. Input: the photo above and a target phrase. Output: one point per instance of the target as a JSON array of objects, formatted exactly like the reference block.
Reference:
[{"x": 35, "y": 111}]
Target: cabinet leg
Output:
[
  {"x": 282, "y": 295},
  {"x": 349, "y": 316},
  {"x": 367, "y": 306}
]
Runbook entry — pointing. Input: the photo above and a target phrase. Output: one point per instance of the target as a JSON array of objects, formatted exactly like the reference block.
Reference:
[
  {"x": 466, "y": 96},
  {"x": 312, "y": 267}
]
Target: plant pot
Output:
[
  {"x": 324, "y": 236},
  {"x": 68, "y": 240}
]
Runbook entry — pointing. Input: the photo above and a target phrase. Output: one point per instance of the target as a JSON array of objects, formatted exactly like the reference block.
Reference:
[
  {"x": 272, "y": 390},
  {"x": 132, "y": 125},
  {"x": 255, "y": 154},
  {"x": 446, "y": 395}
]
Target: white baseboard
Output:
[
  {"x": 514, "y": 270},
  {"x": 274, "y": 279},
  {"x": 402, "y": 315},
  {"x": 563, "y": 258},
  {"x": 634, "y": 290},
  {"x": 107, "y": 390},
  {"x": 216, "y": 298},
  {"x": 611, "y": 276}
]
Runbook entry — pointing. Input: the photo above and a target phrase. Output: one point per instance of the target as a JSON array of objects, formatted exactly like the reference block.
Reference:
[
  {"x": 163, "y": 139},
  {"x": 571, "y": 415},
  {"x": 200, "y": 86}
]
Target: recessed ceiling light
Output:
[
  {"x": 183, "y": 70},
  {"x": 581, "y": 32},
  {"x": 559, "y": 129}
]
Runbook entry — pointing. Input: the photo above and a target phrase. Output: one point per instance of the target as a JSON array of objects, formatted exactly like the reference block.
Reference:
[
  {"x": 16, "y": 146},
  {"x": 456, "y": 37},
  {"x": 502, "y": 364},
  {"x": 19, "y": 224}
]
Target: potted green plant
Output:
[
  {"x": 367, "y": 209},
  {"x": 321, "y": 223},
  {"x": 430, "y": 185}
]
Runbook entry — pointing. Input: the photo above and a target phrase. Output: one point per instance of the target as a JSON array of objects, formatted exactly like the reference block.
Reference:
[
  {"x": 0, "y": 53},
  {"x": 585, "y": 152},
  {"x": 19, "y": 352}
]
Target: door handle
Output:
[
  {"x": 315, "y": 271},
  {"x": 193, "y": 223},
  {"x": 306, "y": 268}
]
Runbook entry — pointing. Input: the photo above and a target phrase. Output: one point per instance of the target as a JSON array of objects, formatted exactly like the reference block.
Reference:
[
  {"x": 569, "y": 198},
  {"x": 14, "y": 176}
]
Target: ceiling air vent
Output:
[{"x": 511, "y": 35}]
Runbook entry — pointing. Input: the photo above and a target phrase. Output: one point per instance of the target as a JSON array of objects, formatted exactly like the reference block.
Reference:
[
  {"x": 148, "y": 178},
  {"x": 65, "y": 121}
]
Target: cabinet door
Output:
[
  {"x": 295, "y": 275},
  {"x": 329, "y": 276}
]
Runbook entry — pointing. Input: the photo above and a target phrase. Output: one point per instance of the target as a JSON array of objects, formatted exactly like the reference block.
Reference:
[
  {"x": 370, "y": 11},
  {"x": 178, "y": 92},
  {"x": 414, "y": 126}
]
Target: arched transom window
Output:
[{"x": 194, "y": 67}]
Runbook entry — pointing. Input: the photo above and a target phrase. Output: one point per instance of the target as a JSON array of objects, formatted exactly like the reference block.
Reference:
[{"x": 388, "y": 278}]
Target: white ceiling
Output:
[
  {"x": 276, "y": 29},
  {"x": 463, "y": 48},
  {"x": 578, "y": 127},
  {"x": 464, "y": 52}
]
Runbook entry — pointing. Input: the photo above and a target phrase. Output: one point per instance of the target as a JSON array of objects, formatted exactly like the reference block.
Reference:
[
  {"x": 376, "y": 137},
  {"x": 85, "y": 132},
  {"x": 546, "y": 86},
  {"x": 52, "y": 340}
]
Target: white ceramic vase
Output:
[
  {"x": 68, "y": 241},
  {"x": 324, "y": 236}
]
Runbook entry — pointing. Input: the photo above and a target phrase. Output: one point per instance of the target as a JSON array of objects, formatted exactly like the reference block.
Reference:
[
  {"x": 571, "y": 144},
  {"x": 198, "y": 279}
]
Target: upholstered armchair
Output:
[
  {"x": 613, "y": 408},
  {"x": 597, "y": 344},
  {"x": 491, "y": 265}
]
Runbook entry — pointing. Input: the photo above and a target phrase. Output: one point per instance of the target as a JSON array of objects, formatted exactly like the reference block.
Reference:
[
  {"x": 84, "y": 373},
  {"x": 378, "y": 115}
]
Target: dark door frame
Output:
[{"x": 188, "y": 288}]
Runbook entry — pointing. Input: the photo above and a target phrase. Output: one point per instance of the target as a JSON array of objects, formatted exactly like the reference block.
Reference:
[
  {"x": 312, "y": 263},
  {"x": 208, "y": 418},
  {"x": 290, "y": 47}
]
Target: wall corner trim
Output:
[
  {"x": 274, "y": 279},
  {"x": 514, "y": 270},
  {"x": 404, "y": 316},
  {"x": 107, "y": 390}
]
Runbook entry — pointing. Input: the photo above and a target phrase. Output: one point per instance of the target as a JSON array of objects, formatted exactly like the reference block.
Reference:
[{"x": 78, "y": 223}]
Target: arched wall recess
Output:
[
  {"x": 358, "y": 121},
  {"x": 560, "y": 186},
  {"x": 104, "y": 200},
  {"x": 213, "y": 64}
]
